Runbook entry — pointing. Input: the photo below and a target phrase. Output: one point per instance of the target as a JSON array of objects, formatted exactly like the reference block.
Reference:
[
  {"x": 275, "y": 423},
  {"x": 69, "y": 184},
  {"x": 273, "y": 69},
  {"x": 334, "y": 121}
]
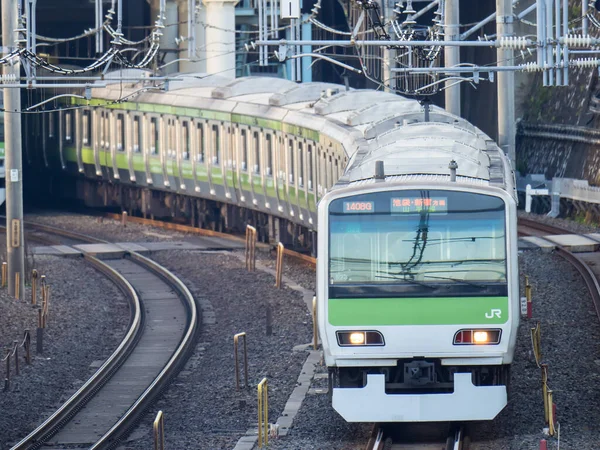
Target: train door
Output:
[
  {"x": 311, "y": 171},
  {"x": 227, "y": 160},
  {"x": 170, "y": 153},
  {"x": 235, "y": 166},
  {"x": 87, "y": 142},
  {"x": 119, "y": 161},
  {"x": 98, "y": 143},
  {"x": 154, "y": 166},
  {"x": 137, "y": 146},
  {"x": 215, "y": 173},
  {"x": 259, "y": 198},
  {"x": 269, "y": 181},
  {"x": 184, "y": 144},
  {"x": 244, "y": 176},
  {"x": 79, "y": 114},
  {"x": 292, "y": 176},
  {"x": 105, "y": 147},
  {"x": 302, "y": 181},
  {"x": 199, "y": 160},
  {"x": 128, "y": 138},
  {"x": 282, "y": 143}
]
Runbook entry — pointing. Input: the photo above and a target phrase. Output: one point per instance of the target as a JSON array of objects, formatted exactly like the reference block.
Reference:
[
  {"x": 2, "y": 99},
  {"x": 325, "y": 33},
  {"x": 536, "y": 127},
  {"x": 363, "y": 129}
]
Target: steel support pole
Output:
[
  {"x": 387, "y": 63},
  {"x": 506, "y": 82},
  {"x": 12, "y": 159},
  {"x": 452, "y": 54}
]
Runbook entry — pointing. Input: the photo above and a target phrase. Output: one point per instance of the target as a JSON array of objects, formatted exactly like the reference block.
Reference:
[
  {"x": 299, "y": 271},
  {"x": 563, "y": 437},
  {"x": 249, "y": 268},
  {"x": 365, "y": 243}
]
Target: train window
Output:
[
  {"x": 291, "y": 160},
  {"x": 269, "y": 140},
  {"x": 300, "y": 165},
  {"x": 87, "y": 127},
  {"x": 120, "y": 132},
  {"x": 186, "y": 141},
  {"x": 137, "y": 134},
  {"x": 309, "y": 152},
  {"x": 154, "y": 136},
  {"x": 216, "y": 144},
  {"x": 106, "y": 130},
  {"x": 51, "y": 125},
  {"x": 68, "y": 126},
  {"x": 170, "y": 138},
  {"x": 200, "y": 141},
  {"x": 256, "y": 144},
  {"x": 244, "y": 138}
]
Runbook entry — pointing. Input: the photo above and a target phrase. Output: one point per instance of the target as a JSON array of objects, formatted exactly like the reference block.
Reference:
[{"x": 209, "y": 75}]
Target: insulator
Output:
[
  {"x": 513, "y": 42},
  {"x": 577, "y": 40},
  {"x": 586, "y": 62},
  {"x": 530, "y": 67},
  {"x": 8, "y": 78}
]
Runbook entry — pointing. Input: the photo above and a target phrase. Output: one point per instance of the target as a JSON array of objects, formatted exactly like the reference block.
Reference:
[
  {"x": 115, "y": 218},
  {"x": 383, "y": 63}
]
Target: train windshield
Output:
[{"x": 418, "y": 239}]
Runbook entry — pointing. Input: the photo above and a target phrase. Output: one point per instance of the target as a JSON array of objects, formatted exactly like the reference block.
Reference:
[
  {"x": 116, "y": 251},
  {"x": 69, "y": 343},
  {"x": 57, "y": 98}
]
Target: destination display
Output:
[
  {"x": 418, "y": 204},
  {"x": 359, "y": 207}
]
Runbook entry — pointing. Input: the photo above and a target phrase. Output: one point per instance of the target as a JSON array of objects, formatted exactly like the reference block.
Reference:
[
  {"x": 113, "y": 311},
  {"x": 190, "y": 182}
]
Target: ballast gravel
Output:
[{"x": 202, "y": 408}]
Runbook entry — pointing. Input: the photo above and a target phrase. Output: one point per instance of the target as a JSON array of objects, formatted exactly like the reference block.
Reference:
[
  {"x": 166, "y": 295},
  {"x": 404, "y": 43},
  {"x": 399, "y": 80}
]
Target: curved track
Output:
[
  {"x": 587, "y": 264},
  {"x": 163, "y": 328}
]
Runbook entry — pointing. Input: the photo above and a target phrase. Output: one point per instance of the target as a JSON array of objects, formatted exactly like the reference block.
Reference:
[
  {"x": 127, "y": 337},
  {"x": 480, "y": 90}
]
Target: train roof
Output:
[{"x": 371, "y": 125}]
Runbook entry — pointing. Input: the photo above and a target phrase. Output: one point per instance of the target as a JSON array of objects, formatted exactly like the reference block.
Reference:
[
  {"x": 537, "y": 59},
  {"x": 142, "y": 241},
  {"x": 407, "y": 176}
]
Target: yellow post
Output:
[
  {"x": 550, "y": 414},
  {"x": 263, "y": 413},
  {"x": 536, "y": 341},
  {"x": 17, "y": 285},
  {"x": 4, "y": 272},
  {"x": 279, "y": 266},
  {"x": 34, "y": 277},
  {"x": 124, "y": 218},
  {"x": 545, "y": 391},
  {"x": 527, "y": 289},
  {"x": 237, "y": 365},
  {"x": 159, "y": 432},
  {"x": 46, "y": 303},
  {"x": 314, "y": 314}
]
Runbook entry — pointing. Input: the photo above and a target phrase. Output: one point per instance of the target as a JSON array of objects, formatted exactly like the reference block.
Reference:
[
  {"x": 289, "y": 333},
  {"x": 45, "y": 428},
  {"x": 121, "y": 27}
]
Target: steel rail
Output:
[
  {"x": 590, "y": 279},
  {"x": 67, "y": 411}
]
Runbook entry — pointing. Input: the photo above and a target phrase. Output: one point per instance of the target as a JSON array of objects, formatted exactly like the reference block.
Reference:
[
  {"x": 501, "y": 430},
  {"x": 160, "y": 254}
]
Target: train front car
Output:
[{"x": 417, "y": 279}]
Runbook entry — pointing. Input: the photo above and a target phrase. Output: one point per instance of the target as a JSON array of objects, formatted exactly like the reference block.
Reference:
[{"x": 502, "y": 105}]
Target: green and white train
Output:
[{"x": 417, "y": 279}]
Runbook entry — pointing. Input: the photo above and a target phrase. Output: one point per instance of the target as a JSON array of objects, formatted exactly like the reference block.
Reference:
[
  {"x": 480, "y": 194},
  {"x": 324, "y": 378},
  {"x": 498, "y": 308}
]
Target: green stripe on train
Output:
[{"x": 363, "y": 312}]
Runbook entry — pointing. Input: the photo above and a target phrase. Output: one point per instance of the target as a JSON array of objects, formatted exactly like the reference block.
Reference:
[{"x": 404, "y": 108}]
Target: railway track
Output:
[
  {"x": 587, "y": 263},
  {"x": 161, "y": 333},
  {"x": 427, "y": 436}
]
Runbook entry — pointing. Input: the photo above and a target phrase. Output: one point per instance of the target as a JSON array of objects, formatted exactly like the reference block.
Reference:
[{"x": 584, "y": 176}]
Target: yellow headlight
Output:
[
  {"x": 480, "y": 337},
  {"x": 357, "y": 338}
]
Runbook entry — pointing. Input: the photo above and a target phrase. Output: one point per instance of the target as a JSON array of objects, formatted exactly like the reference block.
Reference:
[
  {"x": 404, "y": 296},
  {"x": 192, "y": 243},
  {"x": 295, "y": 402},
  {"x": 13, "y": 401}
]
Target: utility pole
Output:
[
  {"x": 388, "y": 54},
  {"x": 506, "y": 81},
  {"x": 452, "y": 54},
  {"x": 13, "y": 160}
]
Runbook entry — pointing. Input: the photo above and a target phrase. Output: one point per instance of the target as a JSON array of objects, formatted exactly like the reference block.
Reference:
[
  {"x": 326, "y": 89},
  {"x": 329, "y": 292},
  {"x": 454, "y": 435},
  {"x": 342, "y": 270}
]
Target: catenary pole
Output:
[
  {"x": 506, "y": 82},
  {"x": 452, "y": 54},
  {"x": 13, "y": 160}
]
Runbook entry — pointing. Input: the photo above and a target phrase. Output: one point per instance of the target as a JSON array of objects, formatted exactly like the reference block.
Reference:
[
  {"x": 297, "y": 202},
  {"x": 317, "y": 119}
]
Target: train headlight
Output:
[
  {"x": 477, "y": 337},
  {"x": 359, "y": 338}
]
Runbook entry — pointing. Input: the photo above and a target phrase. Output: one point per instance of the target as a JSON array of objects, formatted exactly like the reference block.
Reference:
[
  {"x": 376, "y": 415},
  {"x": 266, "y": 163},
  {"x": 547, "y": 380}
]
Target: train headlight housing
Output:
[
  {"x": 356, "y": 338},
  {"x": 477, "y": 337}
]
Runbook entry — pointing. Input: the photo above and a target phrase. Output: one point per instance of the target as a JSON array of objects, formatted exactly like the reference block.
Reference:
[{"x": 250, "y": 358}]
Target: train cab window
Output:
[
  {"x": 154, "y": 136},
  {"x": 291, "y": 161},
  {"x": 200, "y": 142},
  {"x": 187, "y": 145},
  {"x": 300, "y": 165},
  {"x": 244, "y": 138},
  {"x": 216, "y": 141},
  {"x": 120, "y": 132},
  {"x": 309, "y": 152},
  {"x": 87, "y": 127},
  {"x": 256, "y": 145},
  {"x": 269, "y": 145},
  {"x": 137, "y": 134}
]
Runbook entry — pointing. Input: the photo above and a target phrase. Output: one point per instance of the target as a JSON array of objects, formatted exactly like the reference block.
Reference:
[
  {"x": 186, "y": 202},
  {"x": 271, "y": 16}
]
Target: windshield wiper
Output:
[
  {"x": 408, "y": 281},
  {"x": 457, "y": 280}
]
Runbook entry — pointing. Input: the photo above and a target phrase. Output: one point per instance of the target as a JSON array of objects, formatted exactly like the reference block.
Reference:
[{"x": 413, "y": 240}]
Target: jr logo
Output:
[{"x": 492, "y": 313}]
